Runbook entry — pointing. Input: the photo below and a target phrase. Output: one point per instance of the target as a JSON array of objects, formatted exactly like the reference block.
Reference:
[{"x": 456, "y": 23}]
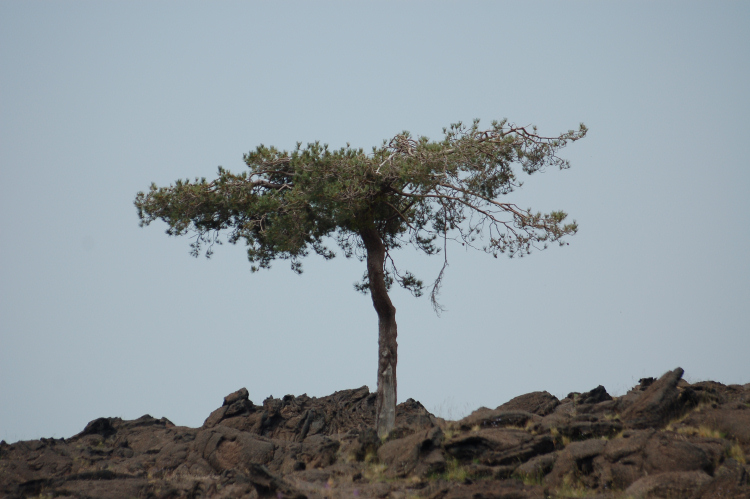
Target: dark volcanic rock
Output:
[
  {"x": 536, "y": 467},
  {"x": 582, "y": 430},
  {"x": 497, "y": 418},
  {"x": 239, "y": 395},
  {"x": 357, "y": 445},
  {"x": 577, "y": 460},
  {"x": 732, "y": 478},
  {"x": 665, "y": 438},
  {"x": 484, "y": 489},
  {"x": 269, "y": 485},
  {"x": 630, "y": 443},
  {"x": 420, "y": 450},
  {"x": 664, "y": 452},
  {"x": 539, "y": 403},
  {"x": 100, "y": 426},
  {"x": 659, "y": 403},
  {"x": 295, "y": 418},
  {"x": 598, "y": 394},
  {"x": 673, "y": 484},
  {"x": 494, "y": 447},
  {"x": 732, "y": 420}
]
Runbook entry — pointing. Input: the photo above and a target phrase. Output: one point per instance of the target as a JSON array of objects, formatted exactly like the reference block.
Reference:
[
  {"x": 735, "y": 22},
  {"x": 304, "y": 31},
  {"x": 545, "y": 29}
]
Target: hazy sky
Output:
[{"x": 99, "y": 317}]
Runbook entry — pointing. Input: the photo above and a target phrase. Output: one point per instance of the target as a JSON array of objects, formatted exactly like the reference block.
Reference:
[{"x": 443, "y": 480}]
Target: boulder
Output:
[
  {"x": 659, "y": 403},
  {"x": 595, "y": 396},
  {"x": 669, "y": 485},
  {"x": 99, "y": 426},
  {"x": 732, "y": 420},
  {"x": 420, "y": 450},
  {"x": 497, "y": 447},
  {"x": 731, "y": 480},
  {"x": 226, "y": 449},
  {"x": 241, "y": 394},
  {"x": 536, "y": 467},
  {"x": 577, "y": 460},
  {"x": 539, "y": 403},
  {"x": 667, "y": 451},
  {"x": 598, "y": 394},
  {"x": 630, "y": 443}
]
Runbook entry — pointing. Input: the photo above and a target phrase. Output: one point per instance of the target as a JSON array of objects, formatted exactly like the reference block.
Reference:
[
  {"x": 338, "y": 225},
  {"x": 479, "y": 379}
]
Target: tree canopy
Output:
[
  {"x": 410, "y": 191},
  {"x": 413, "y": 191}
]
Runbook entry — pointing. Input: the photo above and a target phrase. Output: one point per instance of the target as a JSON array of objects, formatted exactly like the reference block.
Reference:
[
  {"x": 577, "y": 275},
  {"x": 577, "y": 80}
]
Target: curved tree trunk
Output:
[{"x": 385, "y": 411}]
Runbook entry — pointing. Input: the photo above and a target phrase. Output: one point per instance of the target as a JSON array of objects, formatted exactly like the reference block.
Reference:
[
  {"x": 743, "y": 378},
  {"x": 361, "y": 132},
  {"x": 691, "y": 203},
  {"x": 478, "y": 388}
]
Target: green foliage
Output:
[{"x": 411, "y": 190}]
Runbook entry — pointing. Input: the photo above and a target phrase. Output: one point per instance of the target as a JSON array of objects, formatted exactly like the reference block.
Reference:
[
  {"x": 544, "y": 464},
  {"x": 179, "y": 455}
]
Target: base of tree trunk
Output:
[{"x": 386, "y": 407}]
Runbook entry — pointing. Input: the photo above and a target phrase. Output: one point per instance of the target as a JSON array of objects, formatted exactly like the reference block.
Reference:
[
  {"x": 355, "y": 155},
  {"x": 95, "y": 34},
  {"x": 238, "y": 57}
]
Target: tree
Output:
[{"x": 409, "y": 191}]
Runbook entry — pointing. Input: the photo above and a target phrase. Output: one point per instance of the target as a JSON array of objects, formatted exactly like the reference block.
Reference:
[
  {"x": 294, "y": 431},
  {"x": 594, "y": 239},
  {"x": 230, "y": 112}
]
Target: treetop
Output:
[{"x": 411, "y": 190}]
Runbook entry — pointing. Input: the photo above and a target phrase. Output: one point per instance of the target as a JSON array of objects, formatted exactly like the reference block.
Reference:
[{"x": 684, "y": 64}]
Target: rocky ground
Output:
[{"x": 664, "y": 438}]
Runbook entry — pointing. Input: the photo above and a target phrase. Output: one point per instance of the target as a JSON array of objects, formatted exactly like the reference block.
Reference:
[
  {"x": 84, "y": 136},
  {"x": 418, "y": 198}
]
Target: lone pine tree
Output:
[{"x": 409, "y": 191}]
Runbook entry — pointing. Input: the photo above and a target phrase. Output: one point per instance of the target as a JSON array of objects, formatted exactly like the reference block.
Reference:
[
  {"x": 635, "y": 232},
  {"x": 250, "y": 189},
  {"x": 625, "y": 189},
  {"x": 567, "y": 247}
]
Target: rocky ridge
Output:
[{"x": 665, "y": 438}]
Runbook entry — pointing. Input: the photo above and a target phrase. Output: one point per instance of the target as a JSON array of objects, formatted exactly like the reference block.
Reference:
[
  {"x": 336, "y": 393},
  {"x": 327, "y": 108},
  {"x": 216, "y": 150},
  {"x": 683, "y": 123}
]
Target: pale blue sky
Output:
[{"x": 99, "y": 317}]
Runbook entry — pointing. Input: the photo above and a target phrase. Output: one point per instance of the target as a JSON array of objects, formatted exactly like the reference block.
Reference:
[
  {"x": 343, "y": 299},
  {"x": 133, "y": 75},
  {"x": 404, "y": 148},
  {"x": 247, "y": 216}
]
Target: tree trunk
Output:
[{"x": 385, "y": 409}]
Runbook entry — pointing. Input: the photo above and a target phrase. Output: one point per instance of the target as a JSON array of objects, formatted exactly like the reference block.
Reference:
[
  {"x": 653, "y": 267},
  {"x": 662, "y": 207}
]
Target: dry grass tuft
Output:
[
  {"x": 702, "y": 431},
  {"x": 735, "y": 452}
]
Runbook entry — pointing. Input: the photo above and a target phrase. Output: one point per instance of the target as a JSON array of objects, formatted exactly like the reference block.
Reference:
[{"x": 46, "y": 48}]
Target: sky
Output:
[{"x": 102, "y": 318}]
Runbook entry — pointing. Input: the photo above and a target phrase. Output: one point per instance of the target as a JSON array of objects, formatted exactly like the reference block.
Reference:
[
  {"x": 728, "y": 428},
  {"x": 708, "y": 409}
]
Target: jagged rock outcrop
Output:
[
  {"x": 660, "y": 402},
  {"x": 664, "y": 438}
]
